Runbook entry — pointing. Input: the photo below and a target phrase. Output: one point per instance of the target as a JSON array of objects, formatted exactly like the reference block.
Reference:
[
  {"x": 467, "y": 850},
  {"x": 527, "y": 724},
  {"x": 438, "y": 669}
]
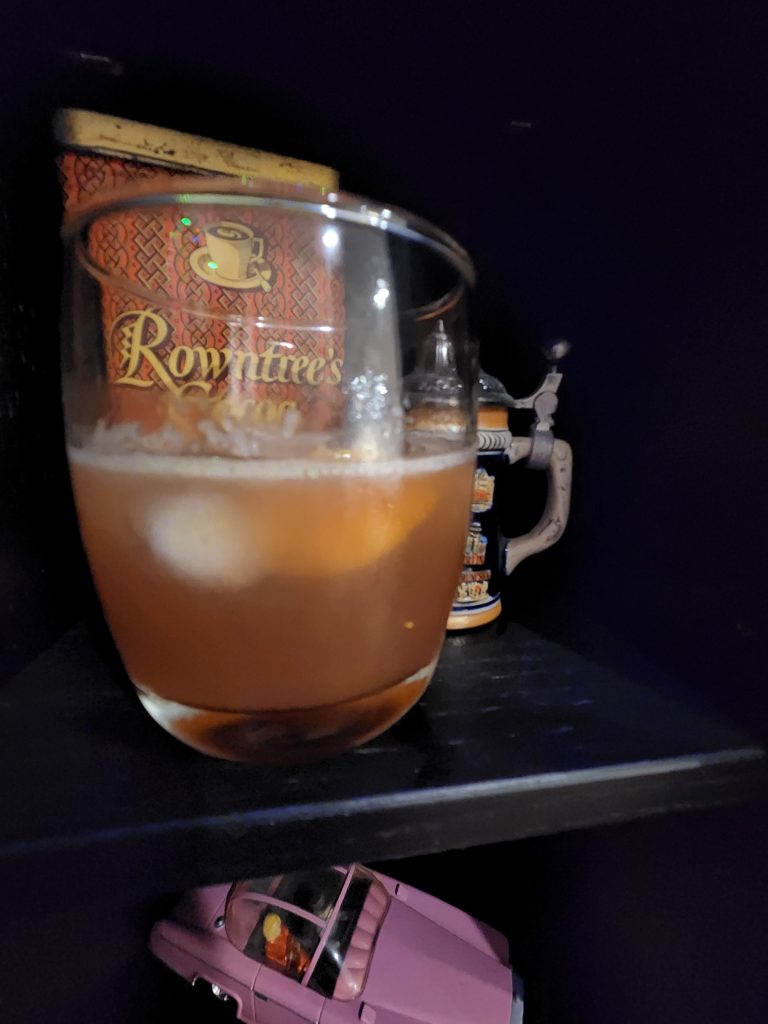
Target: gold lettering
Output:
[
  {"x": 334, "y": 367},
  {"x": 245, "y": 364},
  {"x": 268, "y": 358},
  {"x": 300, "y": 363},
  {"x": 272, "y": 414},
  {"x": 283, "y": 369},
  {"x": 185, "y": 353},
  {"x": 141, "y": 347},
  {"x": 139, "y": 335},
  {"x": 316, "y": 367},
  {"x": 213, "y": 361}
]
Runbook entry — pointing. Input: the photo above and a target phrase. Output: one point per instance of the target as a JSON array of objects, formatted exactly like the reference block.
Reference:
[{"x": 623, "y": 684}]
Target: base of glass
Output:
[{"x": 287, "y": 737}]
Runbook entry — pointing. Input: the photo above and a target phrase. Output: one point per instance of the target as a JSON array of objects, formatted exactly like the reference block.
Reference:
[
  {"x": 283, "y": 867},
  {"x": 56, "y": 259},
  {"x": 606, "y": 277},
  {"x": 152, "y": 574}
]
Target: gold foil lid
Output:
[{"x": 132, "y": 140}]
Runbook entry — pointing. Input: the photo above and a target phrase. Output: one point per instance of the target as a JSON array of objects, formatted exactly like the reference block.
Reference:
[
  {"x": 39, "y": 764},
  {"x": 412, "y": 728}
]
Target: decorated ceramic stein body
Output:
[{"x": 489, "y": 555}]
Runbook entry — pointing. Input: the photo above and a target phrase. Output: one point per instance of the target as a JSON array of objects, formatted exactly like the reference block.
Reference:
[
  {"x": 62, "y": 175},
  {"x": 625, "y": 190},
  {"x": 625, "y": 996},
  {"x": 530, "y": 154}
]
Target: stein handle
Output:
[{"x": 552, "y": 523}]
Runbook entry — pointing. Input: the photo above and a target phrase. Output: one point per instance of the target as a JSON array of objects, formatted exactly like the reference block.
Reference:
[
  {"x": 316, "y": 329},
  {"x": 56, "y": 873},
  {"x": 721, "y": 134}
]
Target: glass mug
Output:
[{"x": 274, "y": 544}]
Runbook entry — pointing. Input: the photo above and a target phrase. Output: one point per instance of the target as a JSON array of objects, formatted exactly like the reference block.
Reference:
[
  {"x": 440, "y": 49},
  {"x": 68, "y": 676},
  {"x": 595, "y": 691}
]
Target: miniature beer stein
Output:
[
  {"x": 489, "y": 555},
  {"x": 435, "y": 391}
]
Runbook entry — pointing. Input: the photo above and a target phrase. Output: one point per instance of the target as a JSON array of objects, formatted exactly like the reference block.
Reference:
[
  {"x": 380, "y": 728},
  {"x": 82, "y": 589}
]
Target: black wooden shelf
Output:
[{"x": 516, "y": 737}]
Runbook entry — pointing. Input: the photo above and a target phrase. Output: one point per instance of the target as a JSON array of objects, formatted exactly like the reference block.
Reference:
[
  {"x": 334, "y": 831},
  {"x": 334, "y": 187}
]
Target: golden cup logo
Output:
[{"x": 232, "y": 257}]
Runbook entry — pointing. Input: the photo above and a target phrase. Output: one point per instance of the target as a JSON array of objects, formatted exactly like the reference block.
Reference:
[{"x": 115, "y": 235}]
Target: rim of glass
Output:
[{"x": 346, "y": 207}]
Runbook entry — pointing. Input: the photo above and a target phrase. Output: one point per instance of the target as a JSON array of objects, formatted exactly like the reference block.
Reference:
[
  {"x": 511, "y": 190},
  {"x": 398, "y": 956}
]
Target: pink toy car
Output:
[{"x": 337, "y": 946}]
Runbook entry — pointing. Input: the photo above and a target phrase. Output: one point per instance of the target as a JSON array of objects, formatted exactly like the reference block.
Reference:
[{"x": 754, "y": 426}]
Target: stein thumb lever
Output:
[{"x": 543, "y": 401}]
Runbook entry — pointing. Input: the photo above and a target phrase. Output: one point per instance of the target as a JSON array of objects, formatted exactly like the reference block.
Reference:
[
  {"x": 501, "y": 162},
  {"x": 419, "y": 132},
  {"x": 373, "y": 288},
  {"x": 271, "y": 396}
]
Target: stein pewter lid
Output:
[
  {"x": 436, "y": 376},
  {"x": 490, "y": 391}
]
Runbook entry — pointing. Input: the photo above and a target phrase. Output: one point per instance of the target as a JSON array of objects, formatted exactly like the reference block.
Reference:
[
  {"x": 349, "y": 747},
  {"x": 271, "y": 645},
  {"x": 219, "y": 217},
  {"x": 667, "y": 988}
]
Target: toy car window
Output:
[
  {"x": 262, "y": 885},
  {"x": 313, "y": 891},
  {"x": 290, "y": 951},
  {"x": 241, "y": 919},
  {"x": 271, "y": 935},
  {"x": 332, "y": 957}
]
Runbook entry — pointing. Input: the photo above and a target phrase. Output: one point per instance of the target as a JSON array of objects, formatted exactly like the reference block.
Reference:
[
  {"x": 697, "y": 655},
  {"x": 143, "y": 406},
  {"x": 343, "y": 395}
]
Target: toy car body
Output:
[{"x": 337, "y": 946}]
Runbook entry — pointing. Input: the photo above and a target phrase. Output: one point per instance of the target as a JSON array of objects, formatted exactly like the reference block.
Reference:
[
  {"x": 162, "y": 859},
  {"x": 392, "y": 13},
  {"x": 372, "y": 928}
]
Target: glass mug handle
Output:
[{"x": 550, "y": 527}]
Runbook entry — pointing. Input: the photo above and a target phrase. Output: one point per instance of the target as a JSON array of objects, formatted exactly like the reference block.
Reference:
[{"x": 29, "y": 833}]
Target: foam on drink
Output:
[{"x": 214, "y": 535}]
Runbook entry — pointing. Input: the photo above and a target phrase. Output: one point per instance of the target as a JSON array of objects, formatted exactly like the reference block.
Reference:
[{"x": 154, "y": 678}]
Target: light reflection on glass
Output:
[
  {"x": 330, "y": 238},
  {"x": 380, "y": 297}
]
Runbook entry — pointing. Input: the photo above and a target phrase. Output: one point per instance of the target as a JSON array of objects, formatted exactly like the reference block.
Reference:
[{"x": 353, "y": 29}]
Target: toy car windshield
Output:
[{"x": 317, "y": 927}]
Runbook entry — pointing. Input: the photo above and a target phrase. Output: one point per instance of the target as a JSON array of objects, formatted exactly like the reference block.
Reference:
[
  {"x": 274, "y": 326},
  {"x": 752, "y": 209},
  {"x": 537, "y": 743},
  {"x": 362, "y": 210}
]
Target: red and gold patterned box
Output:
[{"x": 243, "y": 311}]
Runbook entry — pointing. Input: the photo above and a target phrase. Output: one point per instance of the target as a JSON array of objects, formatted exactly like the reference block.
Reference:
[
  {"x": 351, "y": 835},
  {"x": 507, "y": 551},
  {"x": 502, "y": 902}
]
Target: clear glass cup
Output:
[{"x": 274, "y": 533}]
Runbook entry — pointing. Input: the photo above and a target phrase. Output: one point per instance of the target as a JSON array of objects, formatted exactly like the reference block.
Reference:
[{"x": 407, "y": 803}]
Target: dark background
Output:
[{"x": 604, "y": 164}]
